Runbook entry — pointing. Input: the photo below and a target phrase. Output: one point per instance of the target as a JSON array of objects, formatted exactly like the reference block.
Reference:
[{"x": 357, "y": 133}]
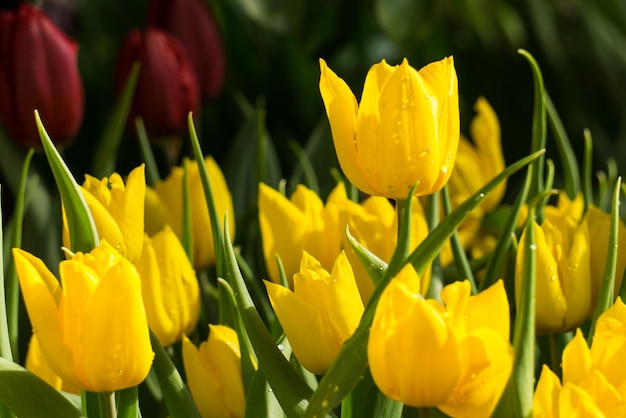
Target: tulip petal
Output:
[
  {"x": 490, "y": 309},
  {"x": 576, "y": 360},
  {"x": 574, "y": 271},
  {"x": 122, "y": 356},
  {"x": 490, "y": 363},
  {"x": 575, "y": 402},
  {"x": 308, "y": 334},
  {"x": 341, "y": 108},
  {"x": 546, "y": 398},
  {"x": 283, "y": 229}
]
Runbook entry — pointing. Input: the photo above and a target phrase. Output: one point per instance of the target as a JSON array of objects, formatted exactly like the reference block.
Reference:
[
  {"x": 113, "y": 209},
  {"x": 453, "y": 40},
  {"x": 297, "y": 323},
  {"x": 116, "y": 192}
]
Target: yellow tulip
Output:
[
  {"x": 321, "y": 313},
  {"x": 374, "y": 223},
  {"x": 599, "y": 224},
  {"x": 214, "y": 374},
  {"x": 169, "y": 287},
  {"x": 116, "y": 210},
  {"x": 562, "y": 273},
  {"x": 593, "y": 378},
  {"x": 37, "y": 363},
  {"x": 404, "y": 131},
  {"x": 475, "y": 165},
  {"x": 301, "y": 223},
  {"x": 170, "y": 191},
  {"x": 92, "y": 328},
  {"x": 455, "y": 356}
]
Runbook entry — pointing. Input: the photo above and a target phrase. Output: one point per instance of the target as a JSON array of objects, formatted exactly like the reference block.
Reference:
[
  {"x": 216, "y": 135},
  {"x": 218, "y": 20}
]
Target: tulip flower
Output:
[
  {"x": 599, "y": 224},
  {"x": 404, "y": 131},
  {"x": 300, "y": 223},
  {"x": 39, "y": 71},
  {"x": 593, "y": 378},
  {"x": 214, "y": 374},
  {"x": 116, "y": 211},
  {"x": 321, "y": 313},
  {"x": 170, "y": 191},
  {"x": 374, "y": 224},
  {"x": 37, "y": 364},
  {"x": 193, "y": 25},
  {"x": 476, "y": 164},
  {"x": 563, "y": 285},
  {"x": 167, "y": 89},
  {"x": 455, "y": 356},
  {"x": 169, "y": 287},
  {"x": 92, "y": 328}
]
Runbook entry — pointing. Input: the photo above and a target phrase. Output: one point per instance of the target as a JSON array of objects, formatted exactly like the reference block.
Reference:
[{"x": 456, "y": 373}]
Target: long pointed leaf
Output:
[
  {"x": 26, "y": 395},
  {"x": 82, "y": 229}
]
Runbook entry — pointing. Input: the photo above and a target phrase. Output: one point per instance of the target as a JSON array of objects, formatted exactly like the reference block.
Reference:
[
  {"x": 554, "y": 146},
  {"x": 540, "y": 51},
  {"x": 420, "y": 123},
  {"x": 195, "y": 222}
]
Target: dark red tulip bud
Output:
[
  {"x": 38, "y": 70},
  {"x": 167, "y": 89},
  {"x": 193, "y": 25}
]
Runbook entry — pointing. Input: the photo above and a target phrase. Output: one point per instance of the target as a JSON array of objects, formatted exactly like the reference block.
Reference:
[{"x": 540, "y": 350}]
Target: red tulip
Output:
[
  {"x": 38, "y": 70},
  {"x": 167, "y": 89},
  {"x": 193, "y": 25}
]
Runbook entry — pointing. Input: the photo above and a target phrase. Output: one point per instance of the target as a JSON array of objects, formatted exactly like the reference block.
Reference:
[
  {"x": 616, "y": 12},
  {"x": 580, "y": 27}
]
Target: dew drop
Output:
[{"x": 281, "y": 347}]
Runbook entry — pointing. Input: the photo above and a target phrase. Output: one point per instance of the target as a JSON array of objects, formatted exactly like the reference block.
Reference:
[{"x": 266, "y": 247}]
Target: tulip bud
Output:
[
  {"x": 38, "y": 70},
  {"x": 193, "y": 25},
  {"x": 167, "y": 89},
  {"x": 214, "y": 373},
  {"x": 404, "y": 132}
]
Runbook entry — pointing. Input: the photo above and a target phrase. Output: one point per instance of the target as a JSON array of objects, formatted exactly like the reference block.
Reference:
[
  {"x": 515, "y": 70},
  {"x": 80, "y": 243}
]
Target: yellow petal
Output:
[
  {"x": 341, "y": 108},
  {"x": 122, "y": 356},
  {"x": 43, "y": 296},
  {"x": 155, "y": 212},
  {"x": 575, "y": 402},
  {"x": 283, "y": 229},
  {"x": 546, "y": 398},
  {"x": 576, "y": 360},
  {"x": 609, "y": 344},
  {"x": 128, "y": 210},
  {"x": 308, "y": 335},
  {"x": 574, "y": 270},
  {"x": 490, "y": 309},
  {"x": 490, "y": 363}
]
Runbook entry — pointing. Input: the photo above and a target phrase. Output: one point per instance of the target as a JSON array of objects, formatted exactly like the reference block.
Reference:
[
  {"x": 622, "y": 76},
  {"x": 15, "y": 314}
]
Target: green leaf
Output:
[
  {"x": 605, "y": 295},
  {"x": 5, "y": 342},
  {"x": 105, "y": 155},
  {"x": 175, "y": 393},
  {"x": 499, "y": 256},
  {"x": 571, "y": 172},
  {"x": 128, "y": 403},
  {"x": 187, "y": 238},
  {"x": 12, "y": 283},
  {"x": 290, "y": 390},
  {"x": 152, "y": 169},
  {"x": 261, "y": 401},
  {"x": 218, "y": 235},
  {"x": 464, "y": 270},
  {"x": 538, "y": 140},
  {"x": 374, "y": 266},
  {"x": 587, "y": 168},
  {"x": 351, "y": 363},
  {"x": 82, "y": 230},
  {"x": 517, "y": 400},
  {"x": 310, "y": 179},
  {"x": 26, "y": 395}
]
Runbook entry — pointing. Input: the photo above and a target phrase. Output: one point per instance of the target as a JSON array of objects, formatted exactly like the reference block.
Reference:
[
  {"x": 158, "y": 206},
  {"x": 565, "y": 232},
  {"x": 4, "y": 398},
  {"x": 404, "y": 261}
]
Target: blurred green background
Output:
[{"x": 272, "y": 49}]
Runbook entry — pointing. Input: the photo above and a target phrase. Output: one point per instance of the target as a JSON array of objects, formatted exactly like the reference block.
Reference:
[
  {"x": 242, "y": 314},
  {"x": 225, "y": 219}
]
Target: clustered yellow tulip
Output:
[
  {"x": 404, "y": 131},
  {"x": 214, "y": 374},
  {"x": 300, "y": 223},
  {"x": 455, "y": 356},
  {"x": 563, "y": 289},
  {"x": 116, "y": 210},
  {"x": 169, "y": 287},
  {"x": 168, "y": 208},
  {"x": 92, "y": 328},
  {"x": 321, "y": 313},
  {"x": 475, "y": 165},
  {"x": 594, "y": 379}
]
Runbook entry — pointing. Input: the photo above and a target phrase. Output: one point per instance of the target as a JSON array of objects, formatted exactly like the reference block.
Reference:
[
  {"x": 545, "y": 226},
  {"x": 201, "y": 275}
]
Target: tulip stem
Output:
[{"x": 109, "y": 404}]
